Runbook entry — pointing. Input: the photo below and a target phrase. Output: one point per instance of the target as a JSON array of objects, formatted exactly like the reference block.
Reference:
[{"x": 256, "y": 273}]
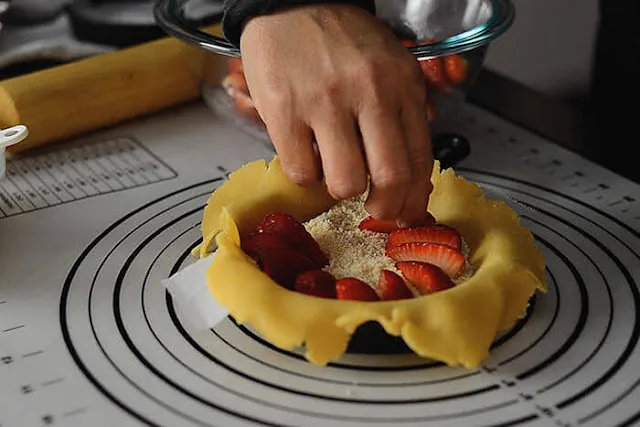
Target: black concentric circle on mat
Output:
[{"x": 574, "y": 361}]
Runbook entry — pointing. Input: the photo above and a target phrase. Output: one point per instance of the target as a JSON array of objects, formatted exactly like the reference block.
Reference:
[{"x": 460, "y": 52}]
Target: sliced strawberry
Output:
[
  {"x": 291, "y": 230},
  {"x": 388, "y": 226},
  {"x": 392, "y": 287},
  {"x": 235, "y": 82},
  {"x": 457, "y": 68},
  {"x": 450, "y": 260},
  {"x": 426, "y": 278},
  {"x": 408, "y": 43},
  {"x": 433, "y": 70},
  {"x": 350, "y": 288},
  {"x": 318, "y": 283},
  {"x": 236, "y": 87},
  {"x": 276, "y": 257},
  {"x": 244, "y": 106},
  {"x": 234, "y": 65},
  {"x": 379, "y": 226},
  {"x": 283, "y": 267},
  {"x": 439, "y": 233}
]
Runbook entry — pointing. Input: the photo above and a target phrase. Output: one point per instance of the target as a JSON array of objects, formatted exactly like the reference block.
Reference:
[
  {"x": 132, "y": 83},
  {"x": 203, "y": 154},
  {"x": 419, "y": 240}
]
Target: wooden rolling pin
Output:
[{"x": 97, "y": 92}]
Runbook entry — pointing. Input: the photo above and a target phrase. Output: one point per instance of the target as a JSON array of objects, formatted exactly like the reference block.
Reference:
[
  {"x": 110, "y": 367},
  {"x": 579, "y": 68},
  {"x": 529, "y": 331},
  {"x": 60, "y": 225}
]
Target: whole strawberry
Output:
[
  {"x": 350, "y": 288},
  {"x": 290, "y": 230},
  {"x": 318, "y": 283},
  {"x": 276, "y": 258}
]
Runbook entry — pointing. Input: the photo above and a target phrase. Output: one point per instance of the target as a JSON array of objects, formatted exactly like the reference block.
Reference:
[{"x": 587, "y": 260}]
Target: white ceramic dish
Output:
[{"x": 8, "y": 137}]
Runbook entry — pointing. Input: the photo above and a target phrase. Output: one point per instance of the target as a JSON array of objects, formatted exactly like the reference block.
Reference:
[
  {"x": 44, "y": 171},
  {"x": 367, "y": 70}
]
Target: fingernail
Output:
[{"x": 403, "y": 224}]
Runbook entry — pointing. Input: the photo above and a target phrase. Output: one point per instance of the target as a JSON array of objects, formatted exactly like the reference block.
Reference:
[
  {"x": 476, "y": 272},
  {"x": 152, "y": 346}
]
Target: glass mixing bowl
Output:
[{"x": 449, "y": 38}]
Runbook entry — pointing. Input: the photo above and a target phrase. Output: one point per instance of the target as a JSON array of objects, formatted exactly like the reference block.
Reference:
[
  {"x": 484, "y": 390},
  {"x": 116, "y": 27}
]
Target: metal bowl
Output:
[{"x": 449, "y": 38}]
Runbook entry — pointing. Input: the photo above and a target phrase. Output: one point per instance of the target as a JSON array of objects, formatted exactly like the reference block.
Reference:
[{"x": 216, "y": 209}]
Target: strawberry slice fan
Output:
[{"x": 305, "y": 271}]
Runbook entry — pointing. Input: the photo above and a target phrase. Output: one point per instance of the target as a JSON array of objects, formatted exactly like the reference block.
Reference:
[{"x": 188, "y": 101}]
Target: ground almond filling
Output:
[{"x": 358, "y": 253}]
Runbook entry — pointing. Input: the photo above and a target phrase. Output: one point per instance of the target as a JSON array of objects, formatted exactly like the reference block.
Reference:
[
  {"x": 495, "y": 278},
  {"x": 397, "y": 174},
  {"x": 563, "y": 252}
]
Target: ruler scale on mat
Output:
[
  {"x": 88, "y": 335},
  {"x": 79, "y": 172}
]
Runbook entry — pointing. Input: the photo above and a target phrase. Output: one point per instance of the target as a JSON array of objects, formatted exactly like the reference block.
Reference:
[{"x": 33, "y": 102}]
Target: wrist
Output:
[{"x": 239, "y": 12}]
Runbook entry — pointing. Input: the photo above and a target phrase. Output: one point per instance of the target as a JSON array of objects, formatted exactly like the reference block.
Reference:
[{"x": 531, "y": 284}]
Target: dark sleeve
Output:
[{"x": 237, "y": 11}]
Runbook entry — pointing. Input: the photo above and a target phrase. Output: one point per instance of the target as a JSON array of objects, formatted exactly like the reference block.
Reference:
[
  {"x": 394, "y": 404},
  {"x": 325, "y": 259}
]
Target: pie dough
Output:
[{"x": 456, "y": 326}]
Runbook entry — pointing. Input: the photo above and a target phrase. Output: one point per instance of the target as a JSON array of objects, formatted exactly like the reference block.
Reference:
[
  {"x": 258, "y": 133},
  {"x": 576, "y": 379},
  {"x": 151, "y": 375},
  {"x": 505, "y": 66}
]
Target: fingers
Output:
[
  {"x": 293, "y": 140},
  {"x": 418, "y": 145},
  {"x": 339, "y": 143},
  {"x": 389, "y": 166}
]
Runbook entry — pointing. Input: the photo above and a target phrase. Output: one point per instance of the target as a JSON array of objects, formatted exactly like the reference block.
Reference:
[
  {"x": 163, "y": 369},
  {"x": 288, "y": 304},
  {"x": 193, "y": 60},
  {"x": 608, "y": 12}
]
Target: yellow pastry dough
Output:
[{"x": 456, "y": 326}]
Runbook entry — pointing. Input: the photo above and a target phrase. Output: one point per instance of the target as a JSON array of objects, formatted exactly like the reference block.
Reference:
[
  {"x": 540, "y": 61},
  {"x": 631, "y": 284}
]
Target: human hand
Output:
[{"x": 337, "y": 76}]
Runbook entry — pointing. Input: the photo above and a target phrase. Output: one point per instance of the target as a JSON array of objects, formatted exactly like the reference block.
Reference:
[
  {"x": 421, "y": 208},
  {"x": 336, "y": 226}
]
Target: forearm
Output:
[{"x": 236, "y": 12}]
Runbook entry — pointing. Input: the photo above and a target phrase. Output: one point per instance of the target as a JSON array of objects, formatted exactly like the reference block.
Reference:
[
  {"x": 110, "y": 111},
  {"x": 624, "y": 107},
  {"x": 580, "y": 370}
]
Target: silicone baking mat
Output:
[{"x": 89, "y": 336}]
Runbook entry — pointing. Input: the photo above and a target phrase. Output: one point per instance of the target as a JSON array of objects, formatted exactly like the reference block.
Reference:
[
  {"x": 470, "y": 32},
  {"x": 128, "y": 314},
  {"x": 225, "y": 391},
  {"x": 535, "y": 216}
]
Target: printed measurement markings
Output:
[{"x": 76, "y": 173}]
